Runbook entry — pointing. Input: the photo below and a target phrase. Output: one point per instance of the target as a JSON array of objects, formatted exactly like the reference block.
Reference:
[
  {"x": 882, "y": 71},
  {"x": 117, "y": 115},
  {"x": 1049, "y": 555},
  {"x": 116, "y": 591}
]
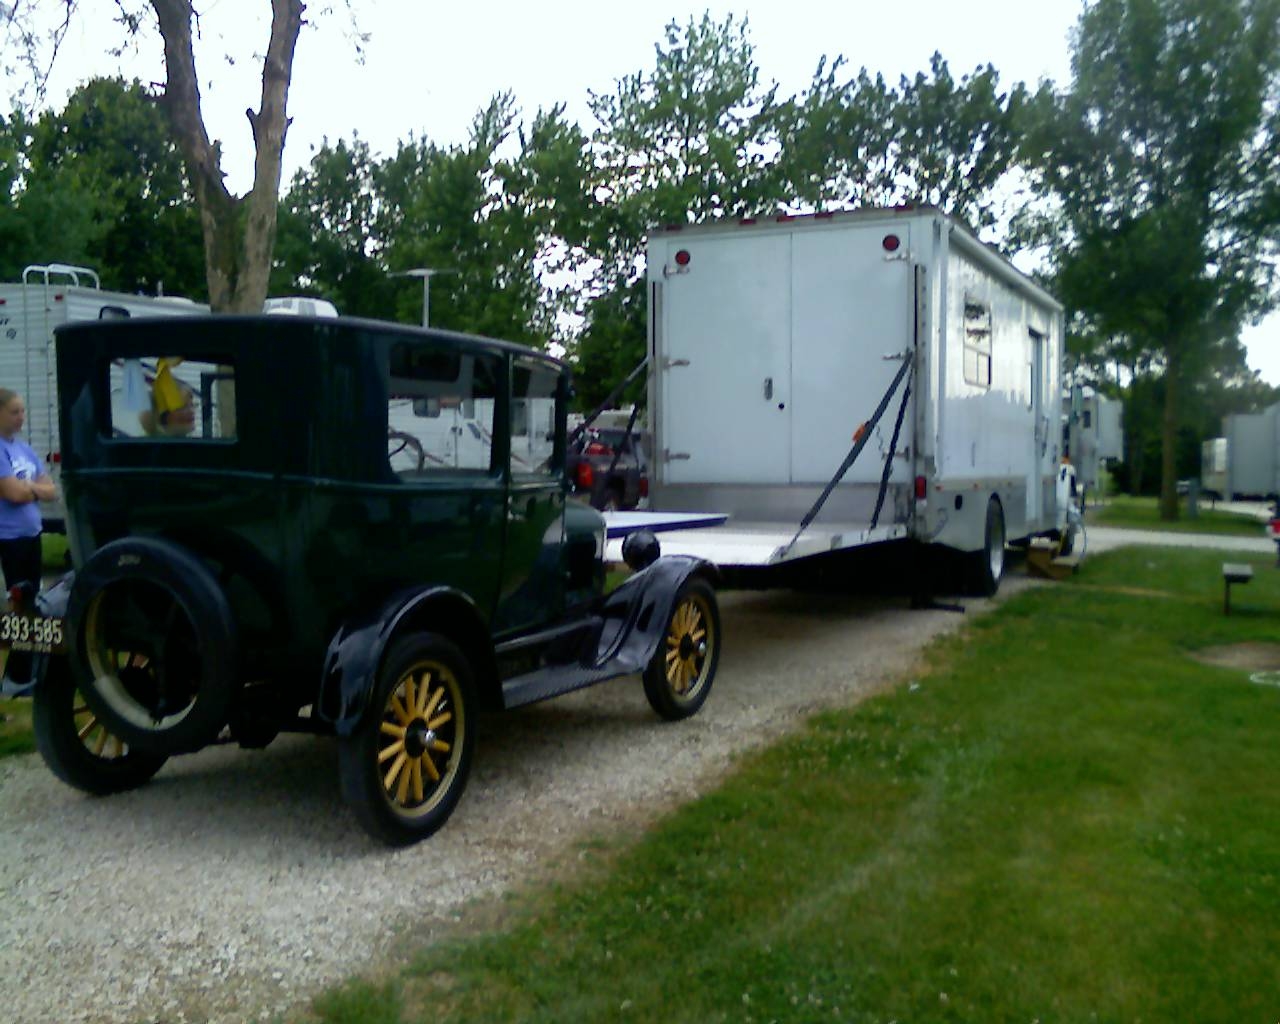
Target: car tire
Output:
[
  {"x": 405, "y": 766},
  {"x": 153, "y": 645},
  {"x": 76, "y": 745},
  {"x": 986, "y": 565},
  {"x": 678, "y": 677}
]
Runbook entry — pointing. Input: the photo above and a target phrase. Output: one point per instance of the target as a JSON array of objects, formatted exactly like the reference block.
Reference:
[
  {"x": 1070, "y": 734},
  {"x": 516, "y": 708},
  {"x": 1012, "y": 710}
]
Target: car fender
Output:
[
  {"x": 635, "y": 614},
  {"x": 355, "y": 652}
]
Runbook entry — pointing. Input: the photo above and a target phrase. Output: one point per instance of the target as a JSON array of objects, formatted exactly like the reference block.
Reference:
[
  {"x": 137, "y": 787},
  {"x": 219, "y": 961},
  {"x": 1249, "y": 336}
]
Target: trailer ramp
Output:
[{"x": 746, "y": 544}]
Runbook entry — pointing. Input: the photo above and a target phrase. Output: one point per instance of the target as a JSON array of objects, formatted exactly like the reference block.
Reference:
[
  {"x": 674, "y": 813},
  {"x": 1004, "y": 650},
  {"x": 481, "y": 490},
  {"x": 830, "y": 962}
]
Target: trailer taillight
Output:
[
  {"x": 922, "y": 488},
  {"x": 682, "y": 258},
  {"x": 55, "y": 457},
  {"x": 890, "y": 243}
]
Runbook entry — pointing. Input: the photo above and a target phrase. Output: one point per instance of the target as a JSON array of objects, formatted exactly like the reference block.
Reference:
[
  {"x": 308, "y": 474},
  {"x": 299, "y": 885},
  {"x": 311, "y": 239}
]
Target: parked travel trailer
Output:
[
  {"x": 47, "y": 297},
  {"x": 1243, "y": 462},
  {"x": 1093, "y": 434},
  {"x": 781, "y": 347}
]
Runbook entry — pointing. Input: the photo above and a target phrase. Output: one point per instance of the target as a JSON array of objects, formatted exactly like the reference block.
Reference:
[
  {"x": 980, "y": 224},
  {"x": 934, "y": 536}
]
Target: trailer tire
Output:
[{"x": 986, "y": 565}]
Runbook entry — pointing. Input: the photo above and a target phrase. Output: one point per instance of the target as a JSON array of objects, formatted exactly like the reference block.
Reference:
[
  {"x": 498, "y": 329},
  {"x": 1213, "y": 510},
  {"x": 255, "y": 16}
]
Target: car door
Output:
[
  {"x": 443, "y": 515},
  {"x": 533, "y": 579}
]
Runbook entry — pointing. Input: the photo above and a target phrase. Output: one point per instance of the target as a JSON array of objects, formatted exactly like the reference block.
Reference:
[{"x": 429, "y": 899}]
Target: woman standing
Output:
[{"x": 23, "y": 485}]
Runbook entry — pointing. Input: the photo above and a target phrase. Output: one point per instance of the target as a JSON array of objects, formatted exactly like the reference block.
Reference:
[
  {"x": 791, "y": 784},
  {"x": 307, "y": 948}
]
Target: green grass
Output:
[
  {"x": 54, "y": 552},
  {"x": 1144, "y": 514},
  {"x": 1065, "y": 819}
]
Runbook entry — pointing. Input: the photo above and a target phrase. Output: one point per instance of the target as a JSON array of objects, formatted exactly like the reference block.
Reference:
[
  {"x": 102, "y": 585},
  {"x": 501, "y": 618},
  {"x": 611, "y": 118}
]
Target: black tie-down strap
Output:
[
  {"x": 862, "y": 437},
  {"x": 590, "y": 418},
  {"x": 893, "y": 449}
]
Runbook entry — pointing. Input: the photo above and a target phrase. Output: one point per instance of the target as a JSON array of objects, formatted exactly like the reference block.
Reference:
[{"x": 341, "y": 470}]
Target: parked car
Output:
[
  {"x": 609, "y": 468},
  {"x": 286, "y": 563}
]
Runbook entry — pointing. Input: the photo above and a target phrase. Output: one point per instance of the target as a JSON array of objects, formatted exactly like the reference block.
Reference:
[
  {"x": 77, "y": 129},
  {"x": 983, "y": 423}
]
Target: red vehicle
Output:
[{"x": 609, "y": 468}]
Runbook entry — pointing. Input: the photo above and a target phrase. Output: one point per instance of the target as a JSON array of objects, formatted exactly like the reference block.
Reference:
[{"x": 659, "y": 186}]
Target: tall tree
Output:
[
  {"x": 933, "y": 140},
  {"x": 691, "y": 138},
  {"x": 1162, "y": 162},
  {"x": 239, "y": 232},
  {"x": 111, "y": 143},
  {"x": 458, "y": 219},
  {"x": 329, "y": 241}
]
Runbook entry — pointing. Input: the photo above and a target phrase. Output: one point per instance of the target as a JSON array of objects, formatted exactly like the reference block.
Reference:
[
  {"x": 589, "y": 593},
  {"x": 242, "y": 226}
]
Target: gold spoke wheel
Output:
[
  {"x": 417, "y": 735},
  {"x": 682, "y": 669}
]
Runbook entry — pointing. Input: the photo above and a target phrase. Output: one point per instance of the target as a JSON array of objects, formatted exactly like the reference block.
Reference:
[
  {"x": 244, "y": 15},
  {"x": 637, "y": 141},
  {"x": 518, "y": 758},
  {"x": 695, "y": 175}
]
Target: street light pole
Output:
[{"x": 426, "y": 273}]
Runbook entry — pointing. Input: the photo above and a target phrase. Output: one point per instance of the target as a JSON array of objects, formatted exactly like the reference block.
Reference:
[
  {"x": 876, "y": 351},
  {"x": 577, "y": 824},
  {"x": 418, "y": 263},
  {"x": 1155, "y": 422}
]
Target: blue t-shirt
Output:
[{"x": 17, "y": 459}]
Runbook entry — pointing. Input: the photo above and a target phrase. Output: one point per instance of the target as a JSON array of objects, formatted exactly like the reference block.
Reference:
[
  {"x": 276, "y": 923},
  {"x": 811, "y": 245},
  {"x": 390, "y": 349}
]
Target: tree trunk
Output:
[
  {"x": 239, "y": 233},
  {"x": 1169, "y": 436}
]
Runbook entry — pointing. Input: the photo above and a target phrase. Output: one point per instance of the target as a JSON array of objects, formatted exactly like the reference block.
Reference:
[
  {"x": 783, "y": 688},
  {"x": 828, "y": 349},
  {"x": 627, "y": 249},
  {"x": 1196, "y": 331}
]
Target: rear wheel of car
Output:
[
  {"x": 406, "y": 764},
  {"x": 986, "y": 565},
  {"x": 153, "y": 645},
  {"x": 76, "y": 744},
  {"x": 679, "y": 676}
]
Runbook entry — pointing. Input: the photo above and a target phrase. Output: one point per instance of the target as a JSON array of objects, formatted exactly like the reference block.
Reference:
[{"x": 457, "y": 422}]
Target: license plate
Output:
[{"x": 34, "y": 633}]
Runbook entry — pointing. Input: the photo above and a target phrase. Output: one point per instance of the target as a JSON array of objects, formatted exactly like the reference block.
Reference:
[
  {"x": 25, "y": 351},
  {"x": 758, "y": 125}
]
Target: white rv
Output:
[
  {"x": 772, "y": 344},
  {"x": 45, "y": 298}
]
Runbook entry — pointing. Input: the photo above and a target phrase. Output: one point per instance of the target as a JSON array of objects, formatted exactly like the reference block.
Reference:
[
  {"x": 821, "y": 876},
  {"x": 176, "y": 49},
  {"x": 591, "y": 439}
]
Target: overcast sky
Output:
[{"x": 430, "y": 66}]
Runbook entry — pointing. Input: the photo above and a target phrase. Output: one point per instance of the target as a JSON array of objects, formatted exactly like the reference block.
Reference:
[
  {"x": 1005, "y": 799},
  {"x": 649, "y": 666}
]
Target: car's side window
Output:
[
  {"x": 440, "y": 410},
  {"x": 165, "y": 397},
  {"x": 535, "y": 445}
]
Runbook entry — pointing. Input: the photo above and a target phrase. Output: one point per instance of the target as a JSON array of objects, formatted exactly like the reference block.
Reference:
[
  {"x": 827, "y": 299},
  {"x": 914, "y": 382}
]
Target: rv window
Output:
[
  {"x": 170, "y": 397},
  {"x": 977, "y": 343}
]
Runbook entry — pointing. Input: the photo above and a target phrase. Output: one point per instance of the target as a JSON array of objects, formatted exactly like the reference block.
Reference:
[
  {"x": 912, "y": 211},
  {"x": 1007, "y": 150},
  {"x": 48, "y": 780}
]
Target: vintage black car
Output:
[{"x": 338, "y": 526}]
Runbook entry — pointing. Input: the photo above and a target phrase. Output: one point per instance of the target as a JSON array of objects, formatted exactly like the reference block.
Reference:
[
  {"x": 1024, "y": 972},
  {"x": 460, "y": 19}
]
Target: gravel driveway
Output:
[{"x": 236, "y": 883}]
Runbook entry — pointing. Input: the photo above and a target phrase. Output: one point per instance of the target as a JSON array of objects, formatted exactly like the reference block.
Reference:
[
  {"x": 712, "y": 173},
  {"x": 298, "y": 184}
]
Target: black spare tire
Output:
[{"x": 153, "y": 645}]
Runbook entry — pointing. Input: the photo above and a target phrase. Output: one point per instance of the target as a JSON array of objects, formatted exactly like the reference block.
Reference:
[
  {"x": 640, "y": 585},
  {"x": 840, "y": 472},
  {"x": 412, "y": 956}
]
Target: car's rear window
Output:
[{"x": 167, "y": 397}]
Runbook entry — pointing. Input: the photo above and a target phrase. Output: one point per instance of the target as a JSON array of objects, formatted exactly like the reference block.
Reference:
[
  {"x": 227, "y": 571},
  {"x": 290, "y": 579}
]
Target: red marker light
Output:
[
  {"x": 682, "y": 258},
  {"x": 922, "y": 488},
  {"x": 890, "y": 243}
]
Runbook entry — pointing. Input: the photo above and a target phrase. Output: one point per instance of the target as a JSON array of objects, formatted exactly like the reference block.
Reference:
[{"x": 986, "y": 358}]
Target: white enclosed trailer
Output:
[
  {"x": 45, "y": 298},
  {"x": 1248, "y": 463},
  {"x": 772, "y": 341}
]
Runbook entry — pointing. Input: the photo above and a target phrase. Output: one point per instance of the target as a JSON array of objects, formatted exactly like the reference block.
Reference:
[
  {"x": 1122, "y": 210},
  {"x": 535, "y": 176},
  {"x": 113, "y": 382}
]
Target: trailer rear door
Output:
[
  {"x": 853, "y": 312},
  {"x": 724, "y": 358}
]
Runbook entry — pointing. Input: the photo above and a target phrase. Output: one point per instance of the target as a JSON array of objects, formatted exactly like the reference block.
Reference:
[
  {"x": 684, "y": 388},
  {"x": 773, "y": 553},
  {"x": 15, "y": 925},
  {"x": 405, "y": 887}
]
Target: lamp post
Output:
[{"x": 426, "y": 273}]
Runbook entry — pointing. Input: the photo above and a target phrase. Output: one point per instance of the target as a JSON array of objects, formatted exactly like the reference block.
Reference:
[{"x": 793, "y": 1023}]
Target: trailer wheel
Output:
[
  {"x": 404, "y": 768},
  {"x": 986, "y": 566},
  {"x": 75, "y": 743},
  {"x": 679, "y": 676}
]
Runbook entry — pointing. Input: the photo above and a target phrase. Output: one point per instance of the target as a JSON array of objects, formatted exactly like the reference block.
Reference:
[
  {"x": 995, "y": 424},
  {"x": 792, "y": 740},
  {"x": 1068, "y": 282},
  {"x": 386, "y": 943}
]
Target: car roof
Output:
[{"x": 128, "y": 325}]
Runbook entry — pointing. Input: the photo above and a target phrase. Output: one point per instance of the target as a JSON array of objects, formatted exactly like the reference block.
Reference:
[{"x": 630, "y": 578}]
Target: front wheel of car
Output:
[
  {"x": 406, "y": 764},
  {"x": 678, "y": 678},
  {"x": 77, "y": 745}
]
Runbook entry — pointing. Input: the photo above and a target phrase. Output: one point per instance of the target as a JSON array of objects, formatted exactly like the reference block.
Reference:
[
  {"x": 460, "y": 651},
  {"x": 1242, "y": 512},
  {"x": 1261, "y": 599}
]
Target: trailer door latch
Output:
[
  {"x": 669, "y": 456},
  {"x": 667, "y": 364}
]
